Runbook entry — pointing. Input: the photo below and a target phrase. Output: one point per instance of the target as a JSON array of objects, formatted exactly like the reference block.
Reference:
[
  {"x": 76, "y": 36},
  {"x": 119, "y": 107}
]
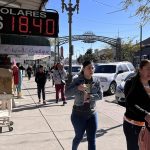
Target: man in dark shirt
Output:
[{"x": 40, "y": 79}]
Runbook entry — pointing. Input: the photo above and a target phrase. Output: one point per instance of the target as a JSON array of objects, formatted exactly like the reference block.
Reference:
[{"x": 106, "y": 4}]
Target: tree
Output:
[
  {"x": 80, "y": 59},
  {"x": 128, "y": 49},
  {"x": 89, "y": 51},
  {"x": 142, "y": 8},
  {"x": 89, "y": 55}
]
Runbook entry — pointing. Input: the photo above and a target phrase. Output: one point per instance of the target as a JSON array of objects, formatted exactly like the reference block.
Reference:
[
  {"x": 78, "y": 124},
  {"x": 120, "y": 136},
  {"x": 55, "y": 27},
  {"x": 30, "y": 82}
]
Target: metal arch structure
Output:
[{"x": 91, "y": 38}]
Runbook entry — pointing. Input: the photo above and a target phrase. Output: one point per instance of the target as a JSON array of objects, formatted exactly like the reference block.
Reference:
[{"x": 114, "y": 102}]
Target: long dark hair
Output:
[
  {"x": 85, "y": 63},
  {"x": 143, "y": 63},
  {"x": 56, "y": 66}
]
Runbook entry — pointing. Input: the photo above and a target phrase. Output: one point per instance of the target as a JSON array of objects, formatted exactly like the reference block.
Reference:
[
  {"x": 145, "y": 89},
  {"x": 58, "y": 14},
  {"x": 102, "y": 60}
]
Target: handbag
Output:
[
  {"x": 144, "y": 137},
  {"x": 63, "y": 82}
]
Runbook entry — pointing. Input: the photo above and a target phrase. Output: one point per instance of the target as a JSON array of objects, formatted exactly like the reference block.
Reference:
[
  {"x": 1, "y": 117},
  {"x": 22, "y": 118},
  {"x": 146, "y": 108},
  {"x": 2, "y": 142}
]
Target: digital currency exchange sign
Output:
[{"x": 28, "y": 22}]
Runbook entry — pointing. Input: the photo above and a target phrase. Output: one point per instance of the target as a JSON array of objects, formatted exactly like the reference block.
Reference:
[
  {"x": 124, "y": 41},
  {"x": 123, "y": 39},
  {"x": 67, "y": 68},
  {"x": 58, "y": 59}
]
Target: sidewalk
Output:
[{"x": 48, "y": 127}]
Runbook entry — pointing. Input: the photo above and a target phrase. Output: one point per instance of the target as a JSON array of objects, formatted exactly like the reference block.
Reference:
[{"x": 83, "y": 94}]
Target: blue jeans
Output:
[
  {"x": 82, "y": 124},
  {"x": 132, "y": 133}
]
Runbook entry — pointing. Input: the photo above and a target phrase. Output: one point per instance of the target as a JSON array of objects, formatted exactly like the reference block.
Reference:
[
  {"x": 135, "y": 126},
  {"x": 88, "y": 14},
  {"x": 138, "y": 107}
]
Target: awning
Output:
[
  {"x": 26, "y": 4},
  {"x": 36, "y": 57},
  {"x": 24, "y": 49}
]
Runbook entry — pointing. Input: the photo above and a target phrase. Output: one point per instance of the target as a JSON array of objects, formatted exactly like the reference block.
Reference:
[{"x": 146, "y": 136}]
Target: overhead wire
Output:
[{"x": 104, "y": 4}]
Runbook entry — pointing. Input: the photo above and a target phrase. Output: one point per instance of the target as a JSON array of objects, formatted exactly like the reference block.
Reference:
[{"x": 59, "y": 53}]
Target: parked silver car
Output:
[{"x": 119, "y": 95}]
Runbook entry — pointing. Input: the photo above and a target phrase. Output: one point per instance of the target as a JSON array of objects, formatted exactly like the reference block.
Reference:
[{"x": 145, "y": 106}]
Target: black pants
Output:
[
  {"x": 29, "y": 76},
  {"x": 39, "y": 89},
  {"x": 132, "y": 133}
]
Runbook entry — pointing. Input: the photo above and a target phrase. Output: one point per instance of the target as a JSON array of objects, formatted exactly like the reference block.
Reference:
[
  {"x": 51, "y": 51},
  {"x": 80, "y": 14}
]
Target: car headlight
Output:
[{"x": 103, "y": 79}]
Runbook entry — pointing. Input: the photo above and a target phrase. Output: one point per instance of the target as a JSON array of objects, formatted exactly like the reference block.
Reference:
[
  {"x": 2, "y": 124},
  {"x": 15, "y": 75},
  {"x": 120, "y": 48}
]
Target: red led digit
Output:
[
  {"x": 23, "y": 24},
  {"x": 38, "y": 24},
  {"x": 13, "y": 23},
  {"x": 50, "y": 25}
]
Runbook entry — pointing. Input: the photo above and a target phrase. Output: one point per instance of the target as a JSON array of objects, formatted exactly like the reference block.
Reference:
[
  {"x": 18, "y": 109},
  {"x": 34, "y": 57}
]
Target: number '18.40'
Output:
[{"x": 23, "y": 25}]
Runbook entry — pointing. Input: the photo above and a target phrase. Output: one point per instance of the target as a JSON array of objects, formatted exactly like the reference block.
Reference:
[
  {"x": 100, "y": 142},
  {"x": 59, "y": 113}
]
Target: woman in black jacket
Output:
[
  {"x": 40, "y": 79},
  {"x": 137, "y": 93}
]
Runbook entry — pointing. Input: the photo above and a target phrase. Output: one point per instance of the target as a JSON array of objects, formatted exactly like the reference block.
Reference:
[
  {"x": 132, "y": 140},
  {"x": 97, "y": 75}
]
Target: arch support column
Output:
[{"x": 118, "y": 50}]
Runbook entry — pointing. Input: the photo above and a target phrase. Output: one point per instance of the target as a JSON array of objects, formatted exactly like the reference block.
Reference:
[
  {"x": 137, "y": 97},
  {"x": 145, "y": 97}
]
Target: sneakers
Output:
[
  {"x": 64, "y": 102},
  {"x": 44, "y": 102}
]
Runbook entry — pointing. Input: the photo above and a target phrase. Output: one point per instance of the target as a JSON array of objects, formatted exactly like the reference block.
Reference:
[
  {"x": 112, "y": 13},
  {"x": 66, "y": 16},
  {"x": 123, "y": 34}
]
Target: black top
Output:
[
  {"x": 88, "y": 81},
  {"x": 137, "y": 100},
  {"x": 29, "y": 70},
  {"x": 40, "y": 78}
]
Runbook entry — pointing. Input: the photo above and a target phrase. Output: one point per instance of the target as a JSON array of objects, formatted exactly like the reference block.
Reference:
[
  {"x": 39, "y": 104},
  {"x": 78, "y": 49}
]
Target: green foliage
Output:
[
  {"x": 89, "y": 51},
  {"x": 80, "y": 59},
  {"x": 142, "y": 8},
  {"x": 128, "y": 49},
  {"x": 89, "y": 55}
]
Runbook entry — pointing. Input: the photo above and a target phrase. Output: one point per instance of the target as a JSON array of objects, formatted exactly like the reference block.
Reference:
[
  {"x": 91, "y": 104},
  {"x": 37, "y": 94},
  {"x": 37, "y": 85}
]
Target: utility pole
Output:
[
  {"x": 70, "y": 8},
  {"x": 55, "y": 52},
  {"x": 140, "y": 43},
  {"x": 58, "y": 59}
]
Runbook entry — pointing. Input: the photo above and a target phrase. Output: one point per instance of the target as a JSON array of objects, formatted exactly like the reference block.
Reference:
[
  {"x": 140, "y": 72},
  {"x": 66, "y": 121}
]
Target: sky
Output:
[{"x": 100, "y": 17}]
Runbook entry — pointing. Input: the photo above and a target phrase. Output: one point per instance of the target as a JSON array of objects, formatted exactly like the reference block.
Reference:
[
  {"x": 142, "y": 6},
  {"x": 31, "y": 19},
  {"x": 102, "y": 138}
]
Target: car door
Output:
[
  {"x": 119, "y": 76},
  {"x": 125, "y": 72}
]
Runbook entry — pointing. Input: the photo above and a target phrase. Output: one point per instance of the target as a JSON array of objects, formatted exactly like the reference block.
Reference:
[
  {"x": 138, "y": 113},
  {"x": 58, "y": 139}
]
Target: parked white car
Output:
[
  {"x": 75, "y": 69},
  {"x": 111, "y": 74},
  {"x": 119, "y": 95}
]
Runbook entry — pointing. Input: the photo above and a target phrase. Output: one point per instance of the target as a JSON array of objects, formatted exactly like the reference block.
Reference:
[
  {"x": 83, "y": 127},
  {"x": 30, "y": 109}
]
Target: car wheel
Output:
[{"x": 112, "y": 88}]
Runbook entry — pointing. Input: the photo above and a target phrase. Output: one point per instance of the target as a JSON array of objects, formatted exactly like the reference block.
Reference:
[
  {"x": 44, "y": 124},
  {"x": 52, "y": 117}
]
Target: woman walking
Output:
[
  {"x": 137, "y": 93},
  {"x": 84, "y": 116},
  {"x": 59, "y": 75}
]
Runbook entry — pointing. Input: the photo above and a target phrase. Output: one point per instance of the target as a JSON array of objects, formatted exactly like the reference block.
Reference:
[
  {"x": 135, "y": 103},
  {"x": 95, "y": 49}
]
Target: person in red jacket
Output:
[{"x": 15, "y": 71}]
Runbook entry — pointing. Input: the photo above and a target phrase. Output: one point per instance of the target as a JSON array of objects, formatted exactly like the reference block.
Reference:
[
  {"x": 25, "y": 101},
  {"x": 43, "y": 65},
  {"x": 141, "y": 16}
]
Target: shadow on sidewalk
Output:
[
  {"x": 49, "y": 92},
  {"x": 30, "y": 88},
  {"x": 101, "y": 132},
  {"x": 46, "y": 92},
  {"x": 49, "y": 103}
]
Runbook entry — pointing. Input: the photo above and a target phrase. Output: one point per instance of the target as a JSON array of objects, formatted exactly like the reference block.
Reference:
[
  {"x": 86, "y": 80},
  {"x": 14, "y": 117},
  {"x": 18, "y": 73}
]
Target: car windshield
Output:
[
  {"x": 74, "y": 68},
  {"x": 66, "y": 68},
  {"x": 131, "y": 67},
  {"x": 105, "y": 69}
]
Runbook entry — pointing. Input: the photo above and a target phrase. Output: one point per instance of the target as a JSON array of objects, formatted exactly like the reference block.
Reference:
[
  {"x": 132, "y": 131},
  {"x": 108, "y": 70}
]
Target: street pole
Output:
[
  {"x": 70, "y": 42},
  {"x": 70, "y": 8},
  {"x": 55, "y": 52},
  {"x": 140, "y": 43},
  {"x": 58, "y": 59}
]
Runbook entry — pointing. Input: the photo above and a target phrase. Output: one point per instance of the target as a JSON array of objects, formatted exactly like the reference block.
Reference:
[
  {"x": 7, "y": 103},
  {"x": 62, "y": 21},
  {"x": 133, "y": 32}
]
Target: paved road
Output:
[{"x": 48, "y": 127}]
